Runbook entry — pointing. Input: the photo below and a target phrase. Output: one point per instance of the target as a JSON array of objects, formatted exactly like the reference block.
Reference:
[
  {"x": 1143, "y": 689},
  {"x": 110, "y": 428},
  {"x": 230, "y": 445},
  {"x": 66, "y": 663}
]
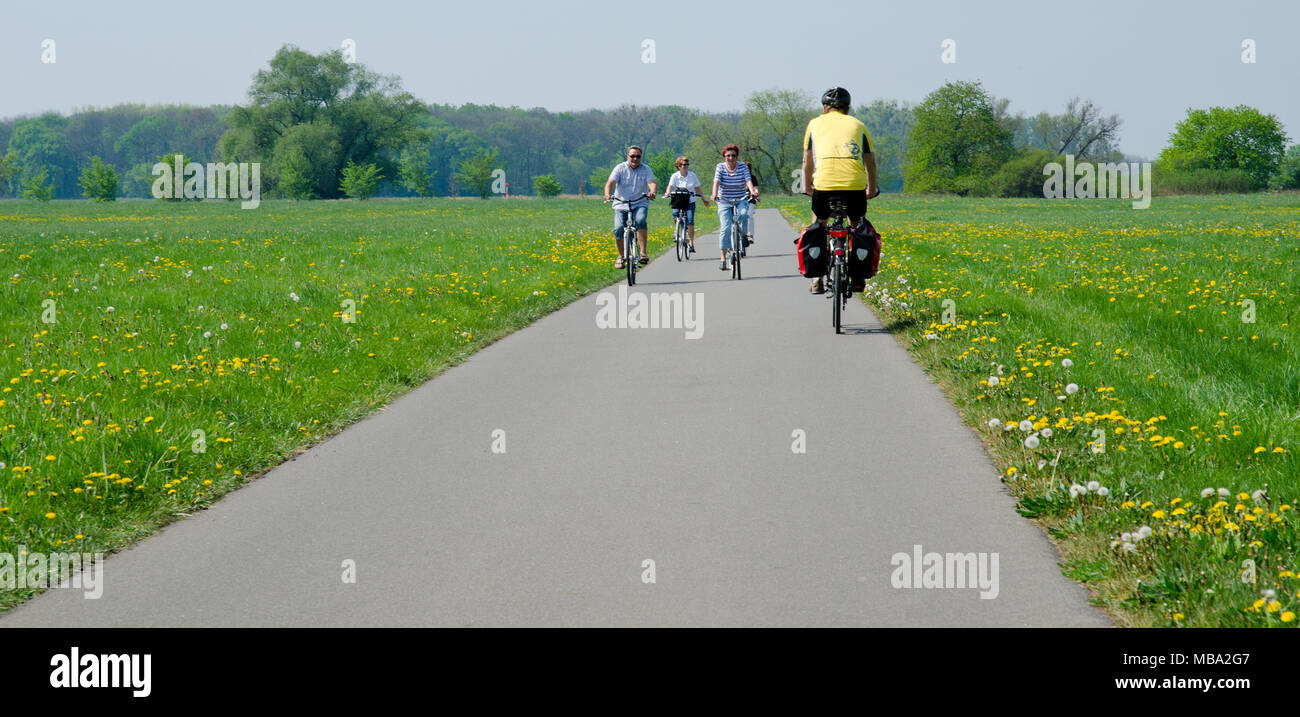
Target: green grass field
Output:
[
  {"x": 227, "y": 348},
  {"x": 1180, "y": 413},
  {"x": 155, "y": 355}
]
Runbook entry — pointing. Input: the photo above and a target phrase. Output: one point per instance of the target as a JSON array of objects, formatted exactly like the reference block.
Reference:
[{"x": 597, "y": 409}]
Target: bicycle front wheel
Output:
[
  {"x": 679, "y": 238},
  {"x": 629, "y": 249}
]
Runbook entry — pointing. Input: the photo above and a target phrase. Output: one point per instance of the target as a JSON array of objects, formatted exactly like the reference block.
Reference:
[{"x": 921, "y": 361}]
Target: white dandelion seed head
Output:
[
  {"x": 297, "y": 344},
  {"x": 1077, "y": 490},
  {"x": 931, "y": 337},
  {"x": 1009, "y": 427},
  {"x": 224, "y": 326},
  {"x": 1103, "y": 491},
  {"x": 1046, "y": 433},
  {"x": 1128, "y": 547},
  {"x": 1126, "y": 537},
  {"x": 1269, "y": 593},
  {"x": 1144, "y": 532},
  {"x": 1224, "y": 492},
  {"x": 1026, "y": 425},
  {"x": 1031, "y": 442},
  {"x": 1258, "y": 496},
  {"x": 293, "y": 295},
  {"x": 993, "y": 380},
  {"x": 110, "y": 309},
  {"x": 994, "y": 423},
  {"x": 1093, "y": 486},
  {"x": 1207, "y": 492},
  {"x": 1072, "y": 388},
  {"x": 1067, "y": 363},
  {"x": 207, "y": 334}
]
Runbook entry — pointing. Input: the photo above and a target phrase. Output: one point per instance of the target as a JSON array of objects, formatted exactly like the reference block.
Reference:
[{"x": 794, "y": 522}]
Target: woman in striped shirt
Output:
[{"x": 734, "y": 185}]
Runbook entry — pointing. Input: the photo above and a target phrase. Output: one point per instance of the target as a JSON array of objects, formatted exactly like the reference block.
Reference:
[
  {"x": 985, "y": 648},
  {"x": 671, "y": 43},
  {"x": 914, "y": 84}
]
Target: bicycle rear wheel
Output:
[{"x": 837, "y": 282}]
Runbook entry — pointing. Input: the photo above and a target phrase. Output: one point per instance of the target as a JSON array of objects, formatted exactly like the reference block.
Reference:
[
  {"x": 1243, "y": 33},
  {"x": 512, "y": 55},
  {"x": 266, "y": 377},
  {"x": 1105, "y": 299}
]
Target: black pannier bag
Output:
[
  {"x": 864, "y": 253},
  {"x": 812, "y": 251}
]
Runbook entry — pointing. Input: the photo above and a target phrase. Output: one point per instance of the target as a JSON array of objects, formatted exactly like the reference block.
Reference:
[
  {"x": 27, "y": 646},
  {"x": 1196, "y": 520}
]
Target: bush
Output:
[
  {"x": 1167, "y": 180},
  {"x": 1288, "y": 172},
  {"x": 1021, "y": 176},
  {"x": 35, "y": 186},
  {"x": 547, "y": 185},
  {"x": 360, "y": 180},
  {"x": 99, "y": 181}
]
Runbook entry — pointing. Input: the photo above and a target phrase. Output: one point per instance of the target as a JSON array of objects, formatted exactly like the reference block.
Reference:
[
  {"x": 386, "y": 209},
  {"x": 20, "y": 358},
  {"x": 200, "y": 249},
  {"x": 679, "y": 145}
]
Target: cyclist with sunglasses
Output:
[
  {"x": 684, "y": 180},
  {"x": 631, "y": 179}
]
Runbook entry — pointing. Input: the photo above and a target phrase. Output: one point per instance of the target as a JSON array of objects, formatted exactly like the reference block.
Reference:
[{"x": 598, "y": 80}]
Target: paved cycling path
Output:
[{"x": 622, "y": 445}]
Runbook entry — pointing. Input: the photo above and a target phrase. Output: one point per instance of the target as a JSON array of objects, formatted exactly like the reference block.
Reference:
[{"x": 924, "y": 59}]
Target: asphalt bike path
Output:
[{"x": 766, "y": 472}]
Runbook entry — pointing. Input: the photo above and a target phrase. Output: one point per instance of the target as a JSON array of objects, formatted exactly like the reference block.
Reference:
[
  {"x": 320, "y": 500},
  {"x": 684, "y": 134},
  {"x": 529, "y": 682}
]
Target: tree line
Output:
[{"x": 324, "y": 128}]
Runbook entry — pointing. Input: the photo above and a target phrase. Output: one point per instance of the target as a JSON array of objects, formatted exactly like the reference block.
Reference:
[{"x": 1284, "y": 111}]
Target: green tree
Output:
[
  {"x": 1020, "y": 176},
  {"x": 1288, "y": 171},
  {"x": 596, "y": 182},
  {"x": 9, "y": 168},
  {"x": 37, "y": 186},
  {"x": 360, "y": 180},
  {"x": 476, "y": 172},
  {"x": 547, "y": 185},
  {"x": 413, "y": 171},
  {"x": 304, "y": 162},
  {"x": 351, "y": 115},
  {"x": 890, "y": 124},
  {"x": 661, "y": 163},
  {"x": 39, "y": 144},
  {"x": 773, "y": 123},
  {"x": 1222, "y": 139},
  {"x": 99, "y": 181},
  {"x": 957, "y": 140}
]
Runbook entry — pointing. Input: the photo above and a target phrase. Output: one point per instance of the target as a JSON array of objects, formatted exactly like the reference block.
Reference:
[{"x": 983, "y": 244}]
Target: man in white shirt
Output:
[{"x": 633, "y": 179}]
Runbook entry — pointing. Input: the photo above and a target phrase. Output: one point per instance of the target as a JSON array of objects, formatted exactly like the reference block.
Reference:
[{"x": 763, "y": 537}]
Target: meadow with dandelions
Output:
[
  {"x": 1133, "y": 373},
  {"x": 155, "y": 355}
]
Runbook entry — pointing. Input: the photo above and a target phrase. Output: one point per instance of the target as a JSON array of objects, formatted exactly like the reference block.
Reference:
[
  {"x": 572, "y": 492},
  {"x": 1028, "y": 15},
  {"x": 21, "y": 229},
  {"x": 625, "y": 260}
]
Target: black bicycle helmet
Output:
[{"x": 836, "y": 97}]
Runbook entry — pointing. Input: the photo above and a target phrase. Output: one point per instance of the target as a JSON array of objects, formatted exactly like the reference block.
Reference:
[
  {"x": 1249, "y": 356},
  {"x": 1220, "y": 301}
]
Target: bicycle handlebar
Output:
[{"x": 628, "y": 201}]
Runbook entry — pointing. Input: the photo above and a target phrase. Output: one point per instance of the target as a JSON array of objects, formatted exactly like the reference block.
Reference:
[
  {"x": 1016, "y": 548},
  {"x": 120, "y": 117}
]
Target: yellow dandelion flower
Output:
[
  {"x": 51, "y": 516},
  {"x": 1287, "y": 616}
]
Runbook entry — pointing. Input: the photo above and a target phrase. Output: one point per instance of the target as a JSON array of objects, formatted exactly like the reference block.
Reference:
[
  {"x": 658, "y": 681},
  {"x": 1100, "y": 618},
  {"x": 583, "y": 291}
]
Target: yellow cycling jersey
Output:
[{"x": 838, "y": 143}]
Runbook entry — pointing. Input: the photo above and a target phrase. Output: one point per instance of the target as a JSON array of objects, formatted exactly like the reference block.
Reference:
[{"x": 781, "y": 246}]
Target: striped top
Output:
[{"x": 732, "y": 185}]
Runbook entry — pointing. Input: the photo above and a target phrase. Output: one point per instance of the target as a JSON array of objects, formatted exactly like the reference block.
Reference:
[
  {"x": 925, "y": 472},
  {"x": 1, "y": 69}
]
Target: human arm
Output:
[
  {"x": 873, "y": 188},
  {"x": 808, "y": 169}
]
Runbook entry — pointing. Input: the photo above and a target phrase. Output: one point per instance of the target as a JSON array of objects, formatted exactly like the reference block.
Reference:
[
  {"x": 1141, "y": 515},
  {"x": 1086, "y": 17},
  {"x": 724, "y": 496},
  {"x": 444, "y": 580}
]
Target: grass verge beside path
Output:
[
  {"x": 155, "y": 355},
  {"x": 1135, "y": 375}
]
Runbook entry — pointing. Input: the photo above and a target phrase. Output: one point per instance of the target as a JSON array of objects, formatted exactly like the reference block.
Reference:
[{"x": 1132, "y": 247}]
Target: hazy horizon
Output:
[{"x": 1148, "y": 63}]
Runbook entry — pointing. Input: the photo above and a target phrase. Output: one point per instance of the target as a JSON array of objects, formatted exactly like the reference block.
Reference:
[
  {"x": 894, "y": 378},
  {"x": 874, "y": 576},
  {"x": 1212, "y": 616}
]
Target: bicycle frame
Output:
[
  {"x": 737, "y": 235},
  {"x": 837, "y": 270},
  {"x": 631, "y": 255}
]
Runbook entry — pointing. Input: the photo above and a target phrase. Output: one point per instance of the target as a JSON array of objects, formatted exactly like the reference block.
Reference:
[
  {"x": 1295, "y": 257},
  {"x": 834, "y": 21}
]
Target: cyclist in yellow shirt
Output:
[{"x": 838, "y": 161}]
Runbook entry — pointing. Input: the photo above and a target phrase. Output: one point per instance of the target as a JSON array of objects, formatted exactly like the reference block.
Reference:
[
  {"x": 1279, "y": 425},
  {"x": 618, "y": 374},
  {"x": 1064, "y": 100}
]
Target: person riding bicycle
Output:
[
  {"x": 731, "y": 181},
  {"x": 632, "y": 179},
  {"x": 838, "y": 147},
  {"x": 749, "y": 230},
  {"x": 684, "y": 180}
]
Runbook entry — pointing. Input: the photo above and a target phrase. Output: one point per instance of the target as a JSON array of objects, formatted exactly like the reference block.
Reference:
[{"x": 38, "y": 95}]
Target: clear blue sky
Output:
[{"x": 1146, "y": 61}]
